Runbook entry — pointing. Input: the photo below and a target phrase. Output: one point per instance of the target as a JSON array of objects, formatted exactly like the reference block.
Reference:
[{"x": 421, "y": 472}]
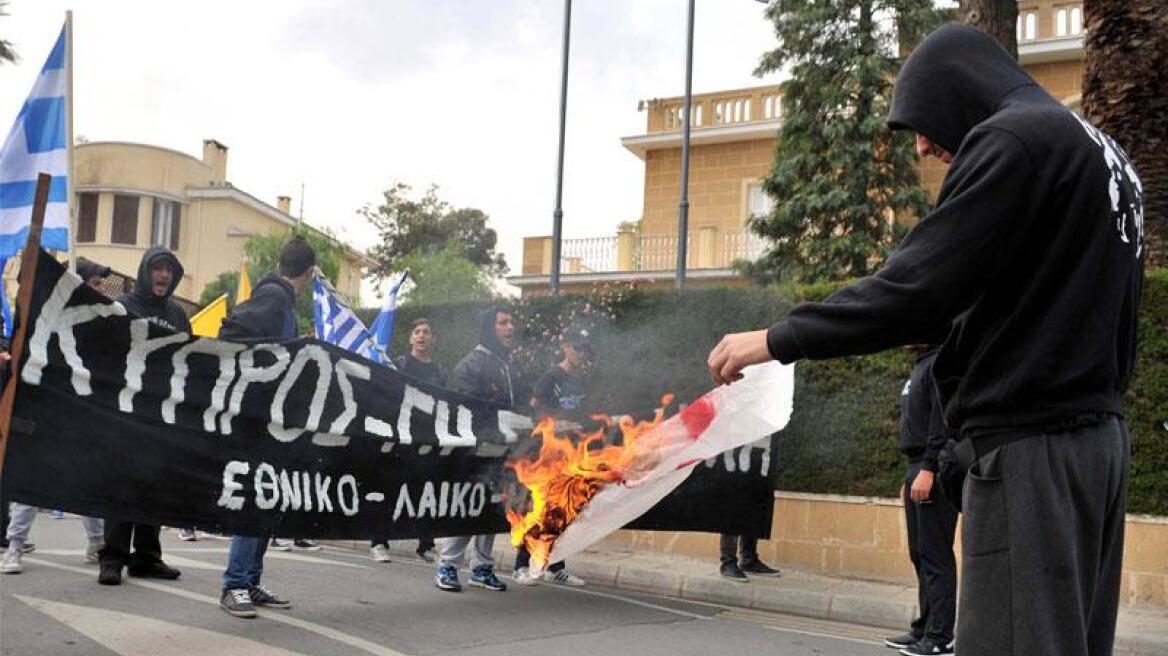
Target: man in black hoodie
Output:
[
  {"x": 485, "y": 373},
  {"x": 269, "y": 315},
  {"x": 159, "y": 274},
  {"x": 1035, "y": 252}
]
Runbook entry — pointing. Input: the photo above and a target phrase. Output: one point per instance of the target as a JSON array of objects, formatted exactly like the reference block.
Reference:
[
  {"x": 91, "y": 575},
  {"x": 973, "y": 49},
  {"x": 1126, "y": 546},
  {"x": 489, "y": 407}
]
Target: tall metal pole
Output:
[
  {"x": 558, "y": 213},
  {"x": 683, "y": 206}
]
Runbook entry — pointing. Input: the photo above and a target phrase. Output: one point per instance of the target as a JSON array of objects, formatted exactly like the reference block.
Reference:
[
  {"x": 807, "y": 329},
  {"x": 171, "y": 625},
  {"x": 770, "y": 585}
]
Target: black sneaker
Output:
[
  {"x": 927, "y": 646},
  {"x": 237, "y": 602},
  {"x": 732, "y": 572},
  {"x": 305, "y": 545},
  {"x": 901, "y": 641},
  {"x": 261, "y": 596},
  {"x": 110, "y": 574},
  {"x": 155, "y": 570},
  {"x": 760, "y": 568}
]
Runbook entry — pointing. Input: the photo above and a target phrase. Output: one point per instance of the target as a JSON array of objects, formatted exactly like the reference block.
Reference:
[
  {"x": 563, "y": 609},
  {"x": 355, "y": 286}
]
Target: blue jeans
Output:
[{"x": 245, "y": 562}]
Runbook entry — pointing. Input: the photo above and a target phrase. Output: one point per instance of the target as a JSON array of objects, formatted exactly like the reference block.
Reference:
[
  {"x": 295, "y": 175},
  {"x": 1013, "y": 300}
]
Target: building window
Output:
[
  {"x": 86, "y": 218},
  {"x": 165, "y": 224},
  {"x": 1060, "y": 22},
  {"x": 1031, "y": 26},
  {"x": 125, "y": 224},
  {"x": 1076, "y": 20},
  {"x": 758, "y": 203},
  {"x": 1068, "y": 21}
]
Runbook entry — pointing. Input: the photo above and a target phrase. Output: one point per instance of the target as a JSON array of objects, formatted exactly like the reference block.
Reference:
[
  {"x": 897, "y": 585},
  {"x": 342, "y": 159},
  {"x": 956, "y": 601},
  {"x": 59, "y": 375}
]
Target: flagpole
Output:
[{"x": 71, "y": 202}]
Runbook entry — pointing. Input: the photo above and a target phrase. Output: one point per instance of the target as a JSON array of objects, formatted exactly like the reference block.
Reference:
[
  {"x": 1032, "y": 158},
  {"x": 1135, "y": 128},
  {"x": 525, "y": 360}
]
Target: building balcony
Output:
[
  {"x": 631, "y": 256},
  {"x": 725, "y": 116}
]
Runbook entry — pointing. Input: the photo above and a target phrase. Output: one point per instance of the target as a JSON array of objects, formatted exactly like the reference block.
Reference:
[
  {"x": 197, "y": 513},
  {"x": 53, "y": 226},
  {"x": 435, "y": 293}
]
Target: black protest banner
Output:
[{"x": 118, "y": 417}]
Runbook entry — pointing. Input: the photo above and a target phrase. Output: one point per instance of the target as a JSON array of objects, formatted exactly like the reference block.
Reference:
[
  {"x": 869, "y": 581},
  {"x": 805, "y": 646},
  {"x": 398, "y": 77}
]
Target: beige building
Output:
[
  {"x": 732, "y": 143},
  {"x": 132, "y": 196}
]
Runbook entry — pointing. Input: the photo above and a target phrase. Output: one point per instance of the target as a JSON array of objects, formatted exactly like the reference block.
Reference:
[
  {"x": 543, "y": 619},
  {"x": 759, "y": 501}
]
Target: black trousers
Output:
[
  {"x": 1042, "y": 544},
  {"x": 931, "y": 526},
  {"x": 119, "y": 535},
  {"x": 730, "y": 545}
]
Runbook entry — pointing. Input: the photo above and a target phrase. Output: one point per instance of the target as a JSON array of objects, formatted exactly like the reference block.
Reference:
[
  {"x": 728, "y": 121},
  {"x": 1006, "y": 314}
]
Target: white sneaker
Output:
[
  {"x": 523, "y": 576},
  {"x": 564, "y": 578},
  {"x": 92, "y": 549},
  {"x": 10, "y": 564},
  {"x": 280, "y": 544},
  {"x": 380, "y": 553}
]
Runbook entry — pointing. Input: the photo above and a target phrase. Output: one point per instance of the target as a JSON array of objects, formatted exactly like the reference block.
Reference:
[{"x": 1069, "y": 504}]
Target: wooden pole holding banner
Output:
[{"x": 28, "y": 267}]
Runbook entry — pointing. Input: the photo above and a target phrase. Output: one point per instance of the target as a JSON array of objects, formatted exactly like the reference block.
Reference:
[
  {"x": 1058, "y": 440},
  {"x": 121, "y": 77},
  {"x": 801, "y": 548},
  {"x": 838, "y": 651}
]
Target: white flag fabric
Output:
[
  {"x": 337, "y": 324},
  {"x": 38, "y": 143},
  {"x": 725, "y": 418}
]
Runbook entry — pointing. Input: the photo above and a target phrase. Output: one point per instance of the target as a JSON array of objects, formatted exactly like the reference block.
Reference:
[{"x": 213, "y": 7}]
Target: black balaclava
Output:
[{"x": 952, "y": 82}]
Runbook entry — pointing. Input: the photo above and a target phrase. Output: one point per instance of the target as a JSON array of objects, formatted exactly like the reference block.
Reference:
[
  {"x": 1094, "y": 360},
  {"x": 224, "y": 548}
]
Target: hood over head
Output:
[
  {"x": 954, "y": 80},
  {"x": 87, "y": 269},
  {"x": 142, "y": 285},
  {"x": 485, "y": 323}
]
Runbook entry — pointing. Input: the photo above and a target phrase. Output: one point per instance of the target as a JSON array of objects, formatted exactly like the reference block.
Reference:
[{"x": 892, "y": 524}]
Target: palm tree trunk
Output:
[
  {"x": 1125, "y": 94},
  {"x": 998, "y": 18}
]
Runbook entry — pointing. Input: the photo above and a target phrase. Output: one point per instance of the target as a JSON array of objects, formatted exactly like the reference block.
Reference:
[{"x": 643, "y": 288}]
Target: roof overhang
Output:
[
  {"x": 641, "y": 144},
  {"x": 1051, "y": 50}
]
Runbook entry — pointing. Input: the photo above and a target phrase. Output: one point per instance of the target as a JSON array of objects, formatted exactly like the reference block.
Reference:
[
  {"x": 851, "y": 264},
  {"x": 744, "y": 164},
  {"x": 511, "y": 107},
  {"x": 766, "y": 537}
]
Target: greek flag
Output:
[
  {"x": 38, "y": 143},
  {"x": 336, "y": 323},
  {"x": 383, "y": 324}
]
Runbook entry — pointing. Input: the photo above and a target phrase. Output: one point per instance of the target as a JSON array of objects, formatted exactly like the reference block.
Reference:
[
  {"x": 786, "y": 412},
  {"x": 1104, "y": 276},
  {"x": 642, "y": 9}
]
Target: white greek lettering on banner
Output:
[
  {"x": 55, "y": 319},
  {"x": 228, "y": 498},
  {"x": 141, "y": 346},
  {"x": 225, "y": 353},
  {"x": 412, "y": 399},
  {"x": 249, "y": 373},
  {"x": 324, "y": 368}
]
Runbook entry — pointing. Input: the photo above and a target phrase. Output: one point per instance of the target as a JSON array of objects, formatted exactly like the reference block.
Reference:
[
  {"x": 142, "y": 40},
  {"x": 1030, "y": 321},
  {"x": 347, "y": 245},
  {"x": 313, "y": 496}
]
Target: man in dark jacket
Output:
[
  {"x": 1036, "y": 249},
  {"x": 159, "y": 274},
  {"x": 930, "y": 518},
  {"x": 269, "y": 315},
  {"x": 485, "y": 373}
]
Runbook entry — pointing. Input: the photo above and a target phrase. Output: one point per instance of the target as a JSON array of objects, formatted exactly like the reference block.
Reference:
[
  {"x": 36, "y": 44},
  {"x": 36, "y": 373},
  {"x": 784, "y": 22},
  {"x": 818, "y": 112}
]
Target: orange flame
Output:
[{"x": 570, "y": 469}]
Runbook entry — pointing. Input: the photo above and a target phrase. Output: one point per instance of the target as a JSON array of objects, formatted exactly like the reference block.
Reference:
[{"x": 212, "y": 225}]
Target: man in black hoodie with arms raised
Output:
[
  {"x": 1035, "y": 252},
  {"x": 159, "y": 274}
]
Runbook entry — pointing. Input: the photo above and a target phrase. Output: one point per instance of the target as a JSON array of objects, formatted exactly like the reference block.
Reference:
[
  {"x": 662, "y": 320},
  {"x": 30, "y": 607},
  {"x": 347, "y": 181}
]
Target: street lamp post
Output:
[
  {"x": 558, "y": 213},
  {"x": 687, "y": 110}
]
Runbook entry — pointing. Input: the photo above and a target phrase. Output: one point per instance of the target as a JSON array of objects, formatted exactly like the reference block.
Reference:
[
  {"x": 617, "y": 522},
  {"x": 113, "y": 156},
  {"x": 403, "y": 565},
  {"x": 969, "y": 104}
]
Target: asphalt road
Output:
[{"x": 345, "y": 604}]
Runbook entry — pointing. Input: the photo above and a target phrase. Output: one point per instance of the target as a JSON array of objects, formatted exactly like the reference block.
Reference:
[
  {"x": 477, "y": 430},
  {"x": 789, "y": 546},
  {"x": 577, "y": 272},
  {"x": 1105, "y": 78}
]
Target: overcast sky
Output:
[{"x": 348, "y": 96}]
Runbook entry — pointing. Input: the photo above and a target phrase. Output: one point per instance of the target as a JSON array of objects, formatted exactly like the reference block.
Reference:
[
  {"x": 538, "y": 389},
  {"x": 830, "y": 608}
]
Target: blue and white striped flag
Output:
[
  {"x": 383, "y": 325},
  {"x": 38, "y": 143},
  {"x": 336, "y": 323}
]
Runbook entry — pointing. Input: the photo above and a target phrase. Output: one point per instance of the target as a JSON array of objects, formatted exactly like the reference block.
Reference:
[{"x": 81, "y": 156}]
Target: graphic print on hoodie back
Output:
[{"x": 1035, "y": 248}]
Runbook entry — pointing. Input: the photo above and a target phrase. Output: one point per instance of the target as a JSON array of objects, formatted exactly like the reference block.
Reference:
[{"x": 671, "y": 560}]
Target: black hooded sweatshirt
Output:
[
  {"x": 485, "y": 372},
  {"x": 157, "y": 309},
  {"x": 1035, "y": 248},
  {"x": 270, "y": 313}
]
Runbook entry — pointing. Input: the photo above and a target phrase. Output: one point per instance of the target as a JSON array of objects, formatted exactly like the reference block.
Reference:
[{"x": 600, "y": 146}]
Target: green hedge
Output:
[{"x": 843, "y": 435}]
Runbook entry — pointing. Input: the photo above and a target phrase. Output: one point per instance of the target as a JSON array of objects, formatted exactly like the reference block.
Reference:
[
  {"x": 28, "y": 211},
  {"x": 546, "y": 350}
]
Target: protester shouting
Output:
[
  {"x": 1036, "y": 249},
  {"x": 159, "y": 274}
]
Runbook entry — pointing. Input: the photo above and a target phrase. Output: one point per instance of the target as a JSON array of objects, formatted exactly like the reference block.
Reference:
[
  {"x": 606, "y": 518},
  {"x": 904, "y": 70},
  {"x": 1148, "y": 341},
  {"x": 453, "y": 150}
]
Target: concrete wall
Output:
[{"x": 865, "y": 538}]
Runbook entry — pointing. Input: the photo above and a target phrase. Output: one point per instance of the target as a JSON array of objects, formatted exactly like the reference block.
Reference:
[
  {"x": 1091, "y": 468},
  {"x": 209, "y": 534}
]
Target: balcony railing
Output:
[
  {"x": 717, "y": 109},
  {"x": 706, "y": 248}
]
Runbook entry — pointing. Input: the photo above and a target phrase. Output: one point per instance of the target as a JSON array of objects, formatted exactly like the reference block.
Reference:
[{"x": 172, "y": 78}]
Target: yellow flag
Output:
[
  {"x": 244, "y": 291},
  {"x": 206, "y": 323}
]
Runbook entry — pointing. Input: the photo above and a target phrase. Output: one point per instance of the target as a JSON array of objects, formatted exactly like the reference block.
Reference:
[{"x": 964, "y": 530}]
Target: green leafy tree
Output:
[
  {"x": 263, "y": 259},
  {"x": 840, "y": 176},
  {"x": 426, "y": 226},
  {"x": 7, "y": 51},
  {"x": 445, "y": 276}
]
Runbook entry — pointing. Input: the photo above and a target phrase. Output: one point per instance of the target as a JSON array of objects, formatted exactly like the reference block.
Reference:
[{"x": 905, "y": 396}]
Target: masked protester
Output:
[
  {"x": 485, "y": 373},
  {"x": 270, "y": 314},
  {"x": 159, "y": 274},
  {"x": 1035, "y": 252}
]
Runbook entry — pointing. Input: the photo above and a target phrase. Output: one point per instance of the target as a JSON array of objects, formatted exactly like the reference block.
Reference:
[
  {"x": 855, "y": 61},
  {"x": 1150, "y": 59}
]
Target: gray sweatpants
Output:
[
  {"x": 21, "y": 518},
  {"x": 1043, "y": 545},
  {"x": 452, "y": 551}
]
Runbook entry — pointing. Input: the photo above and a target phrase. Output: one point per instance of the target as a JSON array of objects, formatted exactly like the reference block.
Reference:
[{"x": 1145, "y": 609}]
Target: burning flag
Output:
[{"x": 582, "y": 489}]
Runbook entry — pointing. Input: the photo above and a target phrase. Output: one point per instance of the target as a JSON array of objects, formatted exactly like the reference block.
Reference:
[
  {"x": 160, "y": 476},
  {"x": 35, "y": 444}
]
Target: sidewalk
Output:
[{"x": 1142, "y": 631}]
